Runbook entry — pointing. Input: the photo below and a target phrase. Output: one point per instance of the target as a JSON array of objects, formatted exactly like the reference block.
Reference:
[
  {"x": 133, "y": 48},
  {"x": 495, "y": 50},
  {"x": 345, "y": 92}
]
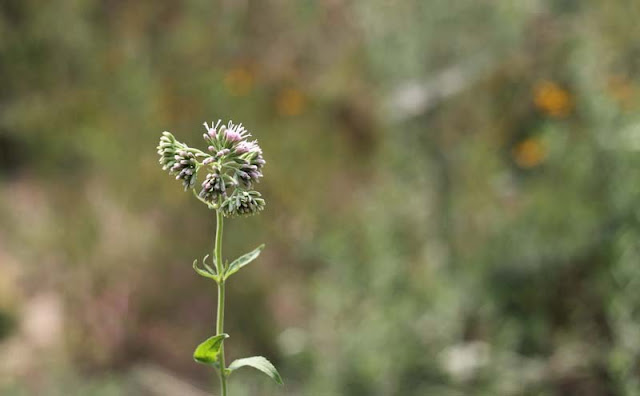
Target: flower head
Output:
[
  {"x": 234, "y": 163},
  {"x": 246, "y": 146},
  {"x": 211, "y": 131},
  {"x": 243, "y": 203},
  {"x": 247, "y": 173},
  {"x": 213, "y": 187},
  {"x": 232, "y": 135},
  {"x": 167, "y": 149},
  {"x": 225, "y": 136},
  {"x": 175, "y": 158},
  {"x": 185, "y": 168}
]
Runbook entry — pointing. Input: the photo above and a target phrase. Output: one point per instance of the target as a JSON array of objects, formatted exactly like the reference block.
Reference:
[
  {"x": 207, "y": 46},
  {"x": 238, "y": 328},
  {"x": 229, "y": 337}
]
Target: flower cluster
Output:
[
  {"x": 233, "y": 164},
  {"x": 213, "y": 187},
  {"x": 177, "y": 158},
  {"x": 231, "y": 143},
  {"x": 243, "y": 203}
]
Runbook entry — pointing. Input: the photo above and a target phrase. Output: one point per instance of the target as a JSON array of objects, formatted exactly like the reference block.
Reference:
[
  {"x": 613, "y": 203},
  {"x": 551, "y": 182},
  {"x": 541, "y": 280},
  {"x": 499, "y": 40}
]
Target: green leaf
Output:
[
  {"x": 207, "y": 273},
  {"x": 243, "y": 260},
  {"x": 259, "y": 363},
  {"x": 208, "y": 351},
  {"x": 204, "y": 262}
]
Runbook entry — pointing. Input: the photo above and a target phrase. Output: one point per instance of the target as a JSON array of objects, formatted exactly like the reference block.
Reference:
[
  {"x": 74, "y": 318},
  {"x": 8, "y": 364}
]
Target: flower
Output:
[
  {"x": 248, "y": 146},
  {"x": 232, "y": 135},
  {"x": 242, "y": 203},
  {"x": 251, "y": 162},
  {"x": 233, "y": 163},
  {"x": 230, "y": 145},
  {"x": 247, "y": 173},
  {"x": 213, "y": 187},
  {"x": 185, "y": 168},
  {"x": 175, "y": 158},
  {"x": 529, "y": 153},
  {"x": 552, "y": 99},
  {"x": 167, "y": 150},
  {"x": 221, "y": 137}
]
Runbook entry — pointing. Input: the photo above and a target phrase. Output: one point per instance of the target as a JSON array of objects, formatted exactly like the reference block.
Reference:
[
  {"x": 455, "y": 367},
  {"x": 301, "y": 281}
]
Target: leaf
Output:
[
  {"x": 258, "y": 363},
  {"x": 208, "y": 351},
  {"x": 204, "y": 262},
  {"x": 205, "y": 273},
  {"x": 243, "y": 260}
]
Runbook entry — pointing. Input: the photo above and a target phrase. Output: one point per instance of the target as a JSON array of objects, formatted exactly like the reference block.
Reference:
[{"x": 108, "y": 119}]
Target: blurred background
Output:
[{"x": 453, "y": 196}]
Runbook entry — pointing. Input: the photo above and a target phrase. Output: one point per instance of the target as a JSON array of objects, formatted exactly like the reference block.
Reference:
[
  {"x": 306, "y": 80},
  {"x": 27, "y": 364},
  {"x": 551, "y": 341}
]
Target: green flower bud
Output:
[{"x": 242, "y": 203}]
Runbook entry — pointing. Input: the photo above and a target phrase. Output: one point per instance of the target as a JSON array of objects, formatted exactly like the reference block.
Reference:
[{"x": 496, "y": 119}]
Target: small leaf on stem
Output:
[
  {"x": 207, "y": 273},
  {"x": 258, "y": 363},
  {"x": 208, "y": 351},
  {"x": 243, "y": 260},
  {"x": 204, "y": 262}
]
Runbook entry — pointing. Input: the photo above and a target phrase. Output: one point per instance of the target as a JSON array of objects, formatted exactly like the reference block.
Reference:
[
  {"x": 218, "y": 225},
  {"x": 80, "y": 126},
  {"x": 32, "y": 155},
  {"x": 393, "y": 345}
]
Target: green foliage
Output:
[
  {"x": 209, "y": 350},
  {"x": 458, "y": 177},
  {"x": 235, "y": 266},
  {"x": 207, "y": 272},
  {"x": 258, "y": 363},
  {"x": 241, "y": 261}
]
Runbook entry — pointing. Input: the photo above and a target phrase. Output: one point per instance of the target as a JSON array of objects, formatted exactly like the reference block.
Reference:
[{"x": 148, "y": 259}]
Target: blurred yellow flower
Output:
[
  {"x": 552, "y": 99},
  {"x": 239, "y": 81},
  {"x": 290, "y": 102},
  {"x": 529, "y": 153}
]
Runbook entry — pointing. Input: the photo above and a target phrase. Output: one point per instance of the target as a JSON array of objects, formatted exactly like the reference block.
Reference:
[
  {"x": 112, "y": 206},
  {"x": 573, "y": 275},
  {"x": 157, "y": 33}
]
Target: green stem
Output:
[
  {"x": 195, "y": 194},
  {"x": 220, "y": 316}
]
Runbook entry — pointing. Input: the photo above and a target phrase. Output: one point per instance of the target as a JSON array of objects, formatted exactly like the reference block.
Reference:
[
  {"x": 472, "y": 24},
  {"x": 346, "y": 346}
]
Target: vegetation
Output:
[{"x": 452, "y": 211}]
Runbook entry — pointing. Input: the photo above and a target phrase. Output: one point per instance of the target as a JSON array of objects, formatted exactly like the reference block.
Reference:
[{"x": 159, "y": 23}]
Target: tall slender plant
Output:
[{"x": 233, "y": 164}]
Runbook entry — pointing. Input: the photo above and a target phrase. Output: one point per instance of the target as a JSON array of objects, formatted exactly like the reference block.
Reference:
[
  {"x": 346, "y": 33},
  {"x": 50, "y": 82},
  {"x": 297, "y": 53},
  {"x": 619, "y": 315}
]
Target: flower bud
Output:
[
  {"x": 213, "y": 187},
  {"x": 242, "y": 203},
  {"x": 167, "y": 149},
  {"x": 247, "y": 174},
  {"x": 184, "y": 167},
  {"x": 222, "y": 153}
]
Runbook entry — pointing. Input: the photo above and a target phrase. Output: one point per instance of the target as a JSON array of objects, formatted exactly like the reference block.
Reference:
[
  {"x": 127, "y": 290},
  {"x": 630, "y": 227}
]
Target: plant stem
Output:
[{"x": 220, "y": 316}]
